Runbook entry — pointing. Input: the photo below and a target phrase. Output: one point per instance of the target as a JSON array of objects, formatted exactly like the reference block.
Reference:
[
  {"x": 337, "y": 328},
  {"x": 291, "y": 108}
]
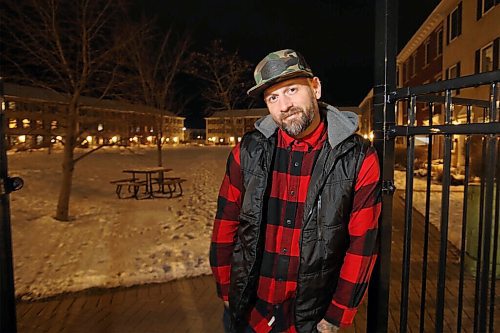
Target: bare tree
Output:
[
  {"x": 227, "y": 76},
  {"x": 153, "y": 61},
  {"x": 68, "y": 47}
]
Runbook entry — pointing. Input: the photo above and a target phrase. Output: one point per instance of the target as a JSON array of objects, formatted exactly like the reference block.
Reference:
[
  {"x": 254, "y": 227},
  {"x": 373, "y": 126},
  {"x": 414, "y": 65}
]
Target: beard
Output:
[{"x": 296, "y": 120}]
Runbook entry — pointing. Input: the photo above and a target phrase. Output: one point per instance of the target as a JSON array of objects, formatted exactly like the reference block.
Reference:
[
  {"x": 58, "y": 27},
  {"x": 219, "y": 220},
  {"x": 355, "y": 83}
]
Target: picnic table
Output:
[{"x": 145, "y": 178}]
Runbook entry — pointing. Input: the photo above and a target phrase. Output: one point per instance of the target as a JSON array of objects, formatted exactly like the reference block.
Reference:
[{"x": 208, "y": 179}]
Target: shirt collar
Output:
[{"x": 312, "y": 139}]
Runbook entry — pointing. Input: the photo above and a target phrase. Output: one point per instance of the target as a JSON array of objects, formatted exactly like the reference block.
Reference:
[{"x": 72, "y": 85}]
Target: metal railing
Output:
[{"x": 421, "y": 294}]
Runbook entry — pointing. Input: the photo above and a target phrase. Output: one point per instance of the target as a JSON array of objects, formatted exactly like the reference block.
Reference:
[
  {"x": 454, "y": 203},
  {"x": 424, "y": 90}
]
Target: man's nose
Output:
[{"x": 285, "y": 103}]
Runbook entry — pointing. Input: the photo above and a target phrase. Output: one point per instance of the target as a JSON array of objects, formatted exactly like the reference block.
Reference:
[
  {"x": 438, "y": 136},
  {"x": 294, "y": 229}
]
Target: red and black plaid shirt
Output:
[{"x": 292, "y": 169}]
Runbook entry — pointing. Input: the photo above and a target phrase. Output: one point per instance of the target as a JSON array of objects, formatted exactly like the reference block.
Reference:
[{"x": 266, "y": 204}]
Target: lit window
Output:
[
  {"x": 12, "y": 123},
  {"x": 453, "y": 72},
  {"x": 486, "y": 58},
  {"x": 53, "y": 124},
  {"x": 26, "y": 123}
]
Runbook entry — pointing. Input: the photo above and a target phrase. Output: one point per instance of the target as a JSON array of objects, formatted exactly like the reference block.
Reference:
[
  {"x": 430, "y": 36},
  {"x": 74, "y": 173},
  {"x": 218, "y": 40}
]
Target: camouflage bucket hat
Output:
[{"x": 278, "y": 66}]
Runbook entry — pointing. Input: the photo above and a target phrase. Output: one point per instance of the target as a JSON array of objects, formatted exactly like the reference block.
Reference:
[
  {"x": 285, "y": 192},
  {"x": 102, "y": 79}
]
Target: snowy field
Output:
[
  {"x": 111, "y": 242},
  {"x": 114, "y": 242}
]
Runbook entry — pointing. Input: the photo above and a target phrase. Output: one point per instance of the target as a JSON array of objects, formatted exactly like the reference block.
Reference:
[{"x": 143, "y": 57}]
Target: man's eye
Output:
[
  {"x": 272, "y": 99},
  {"x": 292, "y": 90}
]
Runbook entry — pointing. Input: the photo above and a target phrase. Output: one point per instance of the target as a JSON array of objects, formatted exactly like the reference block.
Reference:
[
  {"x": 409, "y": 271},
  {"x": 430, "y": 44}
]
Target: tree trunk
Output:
[
  {"x": 159, "y": 135},
  {"x": 68, "y": 164},
  {"x": 158, "y": 148}
]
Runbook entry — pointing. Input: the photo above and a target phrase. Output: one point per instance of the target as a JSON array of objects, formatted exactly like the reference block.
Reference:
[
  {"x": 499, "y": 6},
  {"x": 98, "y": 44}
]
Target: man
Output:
[{"x": 295, "y": 233}]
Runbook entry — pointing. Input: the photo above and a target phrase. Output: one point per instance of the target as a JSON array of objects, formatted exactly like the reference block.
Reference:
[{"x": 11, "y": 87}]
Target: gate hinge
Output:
[
  {"x": 388, "y": 187},
  {"x": 10, "y": 184},
  {"x": 390, "y": 132}
]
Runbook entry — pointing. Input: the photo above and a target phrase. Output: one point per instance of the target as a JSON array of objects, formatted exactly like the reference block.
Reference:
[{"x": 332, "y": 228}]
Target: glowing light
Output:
[
  {"x": 184, "y": 128},
  {"x": 214, "y": 139},
  {"x": 59, "y": 138},
  {"x": 365, "y": 136},
  {"x": 175, "y": 139},
  {"x": 198, "y": 137},
  {"x": 371, "y": 136},
  {"x": 135, "y": 139},
  {"x": 168, "y": 139},
  {"x": 114, "y": 139},
  {"x": 221, "y": 140},
  {"x": 239, "y": 139},
  {"x": 100, "y": 127},
  {"x": 231, "y": 139},
  {"x": 89, "y": 139},
  {"x": 22, "y": 138},
  {"x": 149, "y": 138}
]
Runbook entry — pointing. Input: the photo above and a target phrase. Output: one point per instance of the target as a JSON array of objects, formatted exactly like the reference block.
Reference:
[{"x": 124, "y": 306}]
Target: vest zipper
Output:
[{"x": 320, "y": 228}]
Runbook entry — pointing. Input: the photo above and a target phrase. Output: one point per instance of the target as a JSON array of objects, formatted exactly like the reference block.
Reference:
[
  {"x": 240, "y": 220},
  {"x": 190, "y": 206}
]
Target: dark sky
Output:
[{"x": 336, "y": 37}]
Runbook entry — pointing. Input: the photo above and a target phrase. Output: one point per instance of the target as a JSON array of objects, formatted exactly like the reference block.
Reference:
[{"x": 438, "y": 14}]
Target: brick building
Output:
[
  {"x": 458, "y": 38},
  {"x": 36, "y": 118}
]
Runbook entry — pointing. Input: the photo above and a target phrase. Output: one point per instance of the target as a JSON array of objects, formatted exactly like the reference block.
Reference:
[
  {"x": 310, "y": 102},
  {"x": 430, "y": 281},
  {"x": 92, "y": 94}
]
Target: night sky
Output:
[{"x": 335, "y": 36}]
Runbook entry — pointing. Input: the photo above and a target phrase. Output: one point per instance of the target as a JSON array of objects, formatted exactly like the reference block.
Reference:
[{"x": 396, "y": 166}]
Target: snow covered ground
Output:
[
  {"x": 121, "y": 242},
  {"x": 111, "y": 242},
  {"x": 419, "y": 192}
]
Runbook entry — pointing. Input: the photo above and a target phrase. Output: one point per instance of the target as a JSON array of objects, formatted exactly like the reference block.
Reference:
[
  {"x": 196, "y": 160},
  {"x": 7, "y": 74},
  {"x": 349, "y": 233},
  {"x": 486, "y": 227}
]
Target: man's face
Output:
[{"x": 293, "y": 104}]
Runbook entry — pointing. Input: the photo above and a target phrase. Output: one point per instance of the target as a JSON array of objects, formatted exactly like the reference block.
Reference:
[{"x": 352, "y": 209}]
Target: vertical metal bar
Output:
[
  {"x": 7, "y": 298},
  {"x": 405, "y": 278},
  {"x": 495, "y": 249},
  {"x": 477, "y": 295},
  {"x": 383, "y": 119},
  {"x": 426, "y": 225},
  {"x": 464, "y": 227},
  {"x": 488, "y": 212},
  {"x": 445, "y": 205}
]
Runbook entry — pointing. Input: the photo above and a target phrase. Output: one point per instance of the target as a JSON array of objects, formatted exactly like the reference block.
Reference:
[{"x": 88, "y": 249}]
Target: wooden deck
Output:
[{"x": 190, "y": 305}]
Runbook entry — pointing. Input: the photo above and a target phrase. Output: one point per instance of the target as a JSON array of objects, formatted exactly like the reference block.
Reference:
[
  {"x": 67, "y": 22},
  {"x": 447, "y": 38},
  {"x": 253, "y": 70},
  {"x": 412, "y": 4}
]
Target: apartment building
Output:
[
  {"x": 228, "y": 127},
  {"x": 458, "y": 38},
  {"x": 36, "y": 118}
]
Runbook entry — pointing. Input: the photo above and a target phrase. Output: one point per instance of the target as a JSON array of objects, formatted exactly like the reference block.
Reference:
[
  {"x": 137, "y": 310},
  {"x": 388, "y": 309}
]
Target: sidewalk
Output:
[{"x": 191, "y": 305}]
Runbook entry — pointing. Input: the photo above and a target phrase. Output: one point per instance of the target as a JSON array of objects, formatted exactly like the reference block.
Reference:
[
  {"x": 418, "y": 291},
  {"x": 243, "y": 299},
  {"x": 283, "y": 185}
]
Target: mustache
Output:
[{"x": 291, "y": 111}]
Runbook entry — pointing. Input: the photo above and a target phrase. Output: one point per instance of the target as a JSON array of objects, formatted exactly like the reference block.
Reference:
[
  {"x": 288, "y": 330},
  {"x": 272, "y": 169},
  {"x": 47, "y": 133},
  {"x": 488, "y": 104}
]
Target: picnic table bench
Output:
[
  {"x": 132, "y": 187},
  {"x": 174, "y": 185},
  {"x": 166, "y": 186}
]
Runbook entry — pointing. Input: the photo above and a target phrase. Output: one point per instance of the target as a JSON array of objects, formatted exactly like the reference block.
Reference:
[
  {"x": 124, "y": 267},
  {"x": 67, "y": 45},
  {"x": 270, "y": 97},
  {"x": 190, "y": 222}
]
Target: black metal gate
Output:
[{"x": 439, "y": 287}]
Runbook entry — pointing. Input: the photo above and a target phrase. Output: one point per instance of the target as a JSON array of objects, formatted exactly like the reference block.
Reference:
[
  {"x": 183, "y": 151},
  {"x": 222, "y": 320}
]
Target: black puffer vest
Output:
[{"x": 324, "y": 236}]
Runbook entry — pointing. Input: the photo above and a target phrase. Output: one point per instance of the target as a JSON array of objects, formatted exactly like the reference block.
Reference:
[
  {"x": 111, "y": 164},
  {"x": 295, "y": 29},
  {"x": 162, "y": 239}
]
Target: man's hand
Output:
[
  {"x": 325, "y": 327},
  {"x": 226, "y": 304}
]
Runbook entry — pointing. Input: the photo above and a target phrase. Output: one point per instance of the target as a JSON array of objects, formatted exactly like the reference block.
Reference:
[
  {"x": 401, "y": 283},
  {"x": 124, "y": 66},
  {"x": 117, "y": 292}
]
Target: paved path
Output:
[{"x": 190, "y": 305}]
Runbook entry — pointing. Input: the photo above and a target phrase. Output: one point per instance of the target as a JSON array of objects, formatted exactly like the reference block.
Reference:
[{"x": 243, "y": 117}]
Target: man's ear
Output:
[{"x": 316, "y": 87}]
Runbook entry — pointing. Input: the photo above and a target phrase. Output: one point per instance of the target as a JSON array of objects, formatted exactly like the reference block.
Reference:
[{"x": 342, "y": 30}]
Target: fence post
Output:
[
  {"x": 383, "y": 120},
  {"x": 7, "y": 298}
]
